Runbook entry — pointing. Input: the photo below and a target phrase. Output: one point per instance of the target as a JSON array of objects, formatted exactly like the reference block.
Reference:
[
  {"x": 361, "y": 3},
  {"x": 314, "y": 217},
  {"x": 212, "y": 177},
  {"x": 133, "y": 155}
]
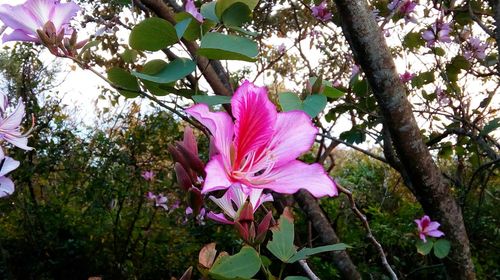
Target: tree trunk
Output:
[
  {"x": 325, "y": 231},
  {"x": 430, "y": 188}
]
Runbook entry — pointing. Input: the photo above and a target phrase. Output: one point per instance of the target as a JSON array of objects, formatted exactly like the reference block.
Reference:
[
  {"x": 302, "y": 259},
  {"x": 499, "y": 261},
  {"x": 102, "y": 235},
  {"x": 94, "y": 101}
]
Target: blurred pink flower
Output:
[
  {"x": 148, "y": 175},
  {"x": 407, "y": 77},
  {"x": 234, "y": 198},
  {"x": 475, "y": 48},
  {"x": 191, "y": 8},
  {"x": 10, "y": 127},
  {"x": 441, "y": 96},
  {"x": 438, "y": 32},
  {"x": 281, "y": 48},
  {"x": 260, "y": 149},
  {"x": 406, "y": 8},
  {"x": 158, "y": 200},
  {"x": 27, "y": 18},
  {"x": 321, "y": 12},
  {"x": 427, "y": 228},
  {"x": 7, "y": 164}
]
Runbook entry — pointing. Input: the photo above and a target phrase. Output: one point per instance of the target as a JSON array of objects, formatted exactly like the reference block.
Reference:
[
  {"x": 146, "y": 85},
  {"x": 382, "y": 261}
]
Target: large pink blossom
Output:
[
  {"x": 475, "y": 48},
  {"x": 427, "y": 228},
  {"x": 27, "y": 18},
  {"x": 10, "y": 127},
  {"x": 260, "y": 148},
  {"x": 7, "y": 164}
]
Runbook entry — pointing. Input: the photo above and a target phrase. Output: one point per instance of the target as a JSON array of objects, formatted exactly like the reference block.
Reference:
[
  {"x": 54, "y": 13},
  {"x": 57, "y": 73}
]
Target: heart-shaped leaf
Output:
[{"x": 312, "y": 105}]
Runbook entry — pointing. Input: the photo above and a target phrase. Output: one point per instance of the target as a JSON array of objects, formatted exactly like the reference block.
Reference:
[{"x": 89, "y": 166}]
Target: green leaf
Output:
[
  {"x": 413, "y": 40},
  {"x": 306, "y": 252},
  {"x": 181, "y": 27},
  {"x": 282, "y": 244},
  {"x": 328, "y": 91},
  {"x": 175, "y": 70},
  {"x": 151, "y": 68},
  {"x": 207, "y": 10},
  {"x": 354, "y": 135},
  {"x": 223, "y": 5},
  {"x": 313, "y": 105},
  {"x": 296, "y": 278},
  {"x": 194, "y": 29},
  {"x": 441, "y": 248},
  {"x": 152, "y": 34},
  {"x": 211, "y": 100},
  {"x": 424, "y": 248},
  {"x": 245, "y": 264},
  {"x": 128, "y": 85},
  {"x": 490, "y": 126},
  {"x": 360, "y": 87},
  {"x": 236, "y": 15},
  {"x": 227, "y": 47},
  {"x": 129, "y": 56}
]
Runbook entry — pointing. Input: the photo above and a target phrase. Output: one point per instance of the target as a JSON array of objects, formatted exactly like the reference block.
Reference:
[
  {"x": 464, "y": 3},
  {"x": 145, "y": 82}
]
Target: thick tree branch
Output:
[{"x": 430, "y": 186}]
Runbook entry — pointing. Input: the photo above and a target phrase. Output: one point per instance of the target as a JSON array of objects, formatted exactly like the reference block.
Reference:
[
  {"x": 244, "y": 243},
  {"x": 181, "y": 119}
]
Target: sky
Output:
[{"x": 80, "y": 88}]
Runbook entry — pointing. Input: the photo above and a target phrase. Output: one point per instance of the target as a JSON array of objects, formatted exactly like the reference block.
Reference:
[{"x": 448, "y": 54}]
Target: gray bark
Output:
[{"x": 430, "y": 188}]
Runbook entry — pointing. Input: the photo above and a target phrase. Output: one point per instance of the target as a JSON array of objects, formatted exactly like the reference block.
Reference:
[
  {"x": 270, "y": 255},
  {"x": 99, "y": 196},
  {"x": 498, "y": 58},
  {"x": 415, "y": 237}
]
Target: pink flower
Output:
[
  {"x": 260, "y": 149},
  {"x": 475, "y": 48},
  {"x": 237, "y": 195},
  {"x": 281, "y": 48},
  {"x": 191, "y": 8},
  {"x": 406, "y": 8},
  {"x": 7, "y": 164},
  {"x": 407, "y": 77},
  {"x": 10, "y": 127},
  {"x": 27, "y": 18},
  {"x": 321, "y": 12},
  {"x": 148, "y": 175},
  {"x": 158, "y": 200},
  {"x": 442, "y": 97},
  {"x": 438, "y": 32},
  {"x": 427, "y": 228}
]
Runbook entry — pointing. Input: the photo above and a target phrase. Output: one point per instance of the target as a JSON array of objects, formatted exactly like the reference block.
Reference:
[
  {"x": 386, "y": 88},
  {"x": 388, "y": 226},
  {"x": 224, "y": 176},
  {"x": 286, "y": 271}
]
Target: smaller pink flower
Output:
[
  {"x": 281, "y": 48},
  {"x": 407, "y": 77},
  {"x": 475, "y": 48},
  {"x": 191, "y": 8},
  {"x": 148, "y": 175},
  {"x": 234, "y": 198},
  {"x": 428, "y": 228},
  {"x": 158, "y": 200},
  {"x": 405, "y": 7},
  {"x": 442, "y": 98},
  {"x": 438, "y": 32},
  {"x": 321, "y": 12}
]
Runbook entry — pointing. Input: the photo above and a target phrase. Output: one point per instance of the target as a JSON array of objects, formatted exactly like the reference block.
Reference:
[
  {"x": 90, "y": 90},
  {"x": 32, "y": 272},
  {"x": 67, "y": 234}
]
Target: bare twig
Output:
[{"x": 369, "y": 235}]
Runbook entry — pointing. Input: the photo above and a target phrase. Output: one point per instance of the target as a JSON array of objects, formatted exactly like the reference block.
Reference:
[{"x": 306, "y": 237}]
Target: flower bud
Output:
[
  {"x": 193, "y": 160},
  {"x": 183, "y": 178},
  {"x": 195, "y": 200}
]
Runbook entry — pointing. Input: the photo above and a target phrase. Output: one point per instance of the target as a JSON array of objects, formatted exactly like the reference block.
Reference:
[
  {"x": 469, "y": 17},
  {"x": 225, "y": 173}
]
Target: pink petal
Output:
[
  {"x": 18, "y": 17},
  {"x": 20, "y": 35},
  {"x": 189, "y": 141},
  {"x": 63, "y": 13},
  {"x": 428, "y": 35},
  {"x": 219, "y": 124},
  {"x": 13, "y": 121},
  {"x": 422, "y": 236},
  {"x": 219, "y": 217},
  {"x": 297, "y": 175},
  {"x": 9, "y": 164},
  {"x": 255, "y": 119},
  {"x": 216, "y": 175},
  {"x": 191, "y": 8},
  {"x": 225, "y": 203},
  {"x": 294, "y": 135},
  {"x": 432, "y": 226},
  {"x": 19, "y": 141},
  {"x": 41, "y": 10},
  {"x": 6, "y": 187},
  {"x": 419, "y": 225},
  {"x": 435, "y": 233}
]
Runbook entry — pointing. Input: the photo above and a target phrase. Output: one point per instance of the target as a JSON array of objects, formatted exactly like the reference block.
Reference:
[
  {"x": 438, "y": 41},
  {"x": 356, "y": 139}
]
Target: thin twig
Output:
[
  {"x": 369, "y": 235},
  {"x": 379, "y": 158},
  {"x": 308, "y": 270}
]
